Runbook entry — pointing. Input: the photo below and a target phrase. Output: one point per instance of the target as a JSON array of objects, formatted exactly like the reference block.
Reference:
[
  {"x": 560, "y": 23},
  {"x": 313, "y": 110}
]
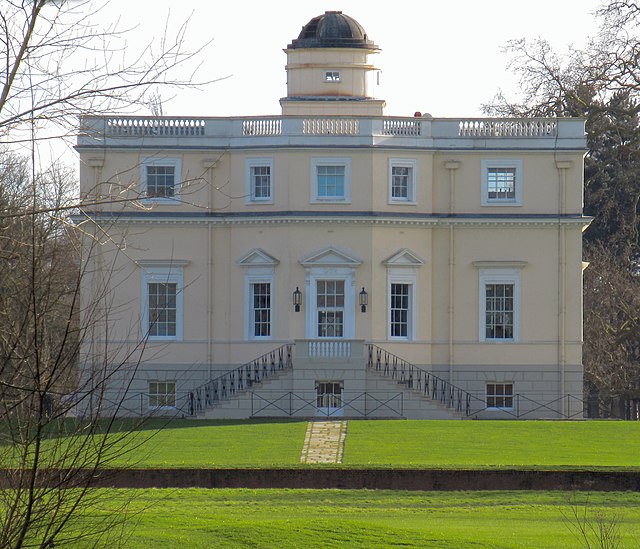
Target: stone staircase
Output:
[
  {"x": 238, "y": 381},
  {"x": 446, "y": 401},
  {"x": 377, "y": 385}
]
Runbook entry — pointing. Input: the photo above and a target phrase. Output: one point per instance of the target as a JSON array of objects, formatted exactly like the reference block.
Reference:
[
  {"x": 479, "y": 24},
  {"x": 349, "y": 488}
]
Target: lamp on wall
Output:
[
  {"x": 297, "y": 299},
  {"x": 364, "y": 300}
]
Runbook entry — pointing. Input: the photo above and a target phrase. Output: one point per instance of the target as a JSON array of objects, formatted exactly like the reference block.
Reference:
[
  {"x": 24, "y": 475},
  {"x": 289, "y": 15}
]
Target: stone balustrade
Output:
[
  {"x": 281, "y": 130},
  {"x": 329, "y": 348}
]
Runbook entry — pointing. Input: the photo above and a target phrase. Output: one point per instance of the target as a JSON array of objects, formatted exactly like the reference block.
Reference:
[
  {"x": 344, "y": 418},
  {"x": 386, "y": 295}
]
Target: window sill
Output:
[
  {"x": 402, "y": 202},
  {"x": 158, "y": 200},
  {"x": 501, "y": 203},
  {"x": 331, "y": 200}
]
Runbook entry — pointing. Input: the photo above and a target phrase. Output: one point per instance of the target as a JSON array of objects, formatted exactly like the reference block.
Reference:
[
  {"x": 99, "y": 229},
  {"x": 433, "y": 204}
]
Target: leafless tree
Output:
[
  {"x": 612, "y": 325},
  {"x": 57, "y": 64},
  {"x": 592, "y": 527},
  {"x": 48, "y": 458}
]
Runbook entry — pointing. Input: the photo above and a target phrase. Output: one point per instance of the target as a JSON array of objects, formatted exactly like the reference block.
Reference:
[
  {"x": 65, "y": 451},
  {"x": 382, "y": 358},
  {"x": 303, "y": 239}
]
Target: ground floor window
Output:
[
  {"x": 499, "y": 305},
  {"x": 162, "y": 300},
  {"x": 162, "y": 394},
  {"x": 162, "y": 314},
  {"x": 399, "y": 321},
  {"x": 329, "y": 394},
  {"x": 499, "y": 311},
  {"x": 499, "y": 395},
  {"x": 261, "y": 309}
]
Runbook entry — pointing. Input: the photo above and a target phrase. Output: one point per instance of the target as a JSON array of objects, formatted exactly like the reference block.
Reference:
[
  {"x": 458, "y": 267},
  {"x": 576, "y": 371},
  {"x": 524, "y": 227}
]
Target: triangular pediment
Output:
[
  {"x": 404, "y": 258},
  {"x": 330, "y": 257},
  {"x": 257, "y": 258}
]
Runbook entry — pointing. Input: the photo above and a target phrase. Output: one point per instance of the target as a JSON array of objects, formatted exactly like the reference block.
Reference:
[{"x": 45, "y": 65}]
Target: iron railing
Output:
[
  {"x": 301, "y": 404},
  {"x": 421, "y": 381},
  {"x": 564, "y": 407},
  {"x": 439, "y": 390},
  {"x": 243, "y": 377}
]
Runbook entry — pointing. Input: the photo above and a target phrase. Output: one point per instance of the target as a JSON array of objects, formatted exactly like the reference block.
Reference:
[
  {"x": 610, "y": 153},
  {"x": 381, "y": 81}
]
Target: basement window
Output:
[{"x": 499, "y": 395}]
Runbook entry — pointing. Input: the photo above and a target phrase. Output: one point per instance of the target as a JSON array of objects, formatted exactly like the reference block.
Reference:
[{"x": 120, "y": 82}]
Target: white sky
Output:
[
  {"x": 438, "y": 56},
  {"x": 442, "y": 57}
]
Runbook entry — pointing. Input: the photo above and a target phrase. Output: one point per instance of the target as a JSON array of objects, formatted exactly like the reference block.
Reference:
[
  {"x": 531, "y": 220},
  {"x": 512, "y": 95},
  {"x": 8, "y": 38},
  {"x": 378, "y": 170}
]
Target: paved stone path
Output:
[{"x": 324, "y": 442}]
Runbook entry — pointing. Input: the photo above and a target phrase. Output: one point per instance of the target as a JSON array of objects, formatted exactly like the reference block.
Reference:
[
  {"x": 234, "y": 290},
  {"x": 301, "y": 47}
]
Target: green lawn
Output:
[
  {"x": 311, "y": 519},
  {"x": 438, "y": 444},
  {"x": 186, "y": 443},
  {"x": 491, "y": 444}
]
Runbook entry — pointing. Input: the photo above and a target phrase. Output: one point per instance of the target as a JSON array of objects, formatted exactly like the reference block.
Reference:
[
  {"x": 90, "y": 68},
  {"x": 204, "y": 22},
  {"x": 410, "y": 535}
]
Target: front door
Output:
[{"x": 330, "y": 308}]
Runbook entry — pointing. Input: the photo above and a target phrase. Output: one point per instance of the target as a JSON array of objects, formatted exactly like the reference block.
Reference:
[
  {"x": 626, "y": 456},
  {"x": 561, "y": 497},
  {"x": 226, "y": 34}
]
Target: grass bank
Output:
[
  {"x": 423, "y": 444},
  {"x": 320, "y": 519}
]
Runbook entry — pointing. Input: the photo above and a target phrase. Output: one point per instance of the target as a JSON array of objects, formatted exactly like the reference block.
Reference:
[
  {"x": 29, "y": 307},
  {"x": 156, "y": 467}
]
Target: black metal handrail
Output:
[
  {"x": 417, "y": 379},
  {"x": 238, "y": 379}
]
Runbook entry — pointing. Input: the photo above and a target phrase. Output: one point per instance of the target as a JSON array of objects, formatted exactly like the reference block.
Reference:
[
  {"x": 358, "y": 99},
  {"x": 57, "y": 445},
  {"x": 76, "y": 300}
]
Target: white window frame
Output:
[
  {"x": 162, "y": 395},
  {"x": 331, "y": 161},
  {"x": 311, "y": 299},
  {"x": 411, "y": 184},
  {"x": 155, "y": 161},
  {"x": 258, "y": 275},
  {"x": 332, "y": 76},
  {"x": 403, "y": 275},
  {"x": 514, "y": 163},
  {"x": 499, "y": 276},
  {"x": 495, "y": 384},
  {"x": 163, "y": 275},
  {"x": 250, "y": 164}
]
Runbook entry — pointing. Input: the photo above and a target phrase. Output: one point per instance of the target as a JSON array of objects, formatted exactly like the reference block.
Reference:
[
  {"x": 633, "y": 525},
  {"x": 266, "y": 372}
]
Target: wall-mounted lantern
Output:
[
  {"x": 297, "y": 299},
  {"x": 364, "y": 300}
]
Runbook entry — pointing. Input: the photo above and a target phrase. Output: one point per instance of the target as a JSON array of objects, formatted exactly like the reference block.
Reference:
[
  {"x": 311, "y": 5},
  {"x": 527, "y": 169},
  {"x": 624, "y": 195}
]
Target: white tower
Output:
[{"x": 328, "y": 70}]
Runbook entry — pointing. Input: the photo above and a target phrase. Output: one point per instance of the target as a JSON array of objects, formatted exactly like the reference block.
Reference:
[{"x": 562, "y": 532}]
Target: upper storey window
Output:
[
  {"x": 502, "y": 182},
  {"x": 332, "y": 76},
  {"x": 160, "y": 178},
  {"x": 402, "y": 174},
  {"x": 259, "y": 180},
  {"x": 331, "y": 180}
]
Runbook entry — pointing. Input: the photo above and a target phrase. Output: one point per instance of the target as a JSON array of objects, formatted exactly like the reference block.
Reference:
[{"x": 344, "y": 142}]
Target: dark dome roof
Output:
[{"x": 333, "y": 29}]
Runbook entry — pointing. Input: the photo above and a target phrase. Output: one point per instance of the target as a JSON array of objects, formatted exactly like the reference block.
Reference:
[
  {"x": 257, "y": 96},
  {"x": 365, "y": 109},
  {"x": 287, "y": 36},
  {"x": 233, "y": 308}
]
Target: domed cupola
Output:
[
  {"x": 333, "y": 30},
  {"x": 328, "y": 69}
]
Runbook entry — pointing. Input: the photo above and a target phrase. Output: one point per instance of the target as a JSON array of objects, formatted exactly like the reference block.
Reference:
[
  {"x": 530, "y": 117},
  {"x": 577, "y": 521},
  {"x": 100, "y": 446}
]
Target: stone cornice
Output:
[{"x": 334, "y": 218}]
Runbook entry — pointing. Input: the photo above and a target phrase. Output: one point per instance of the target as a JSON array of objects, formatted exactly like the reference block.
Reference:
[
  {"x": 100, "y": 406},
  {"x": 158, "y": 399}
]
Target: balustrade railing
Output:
[
  {"x": 301, "y": 126},
  {"x": 330, "y": 126},
  {"x": 262, "y": 126},
  {"x": 417, "y": 379},
  {"x": 155, "y": 126},
  {"x": 331, "y": 348},
  {"x": 243, "y": 377},
  {"x": 508, "y": 128},
  {"x": 402, "y": 127}
]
